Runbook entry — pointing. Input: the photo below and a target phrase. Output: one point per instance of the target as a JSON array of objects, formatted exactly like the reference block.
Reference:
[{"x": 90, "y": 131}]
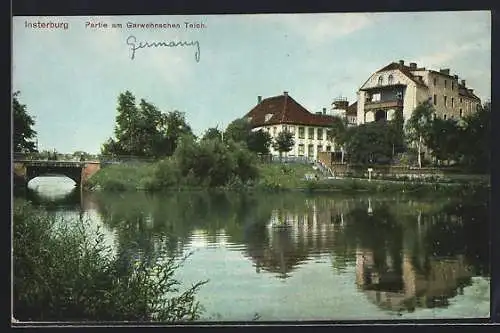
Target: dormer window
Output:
[
  {"x": 268, "y": 117},
  {"x": 391, "y": 79},
  {"x": 380, "y": 80},
  {"x": 249, "y": 119}
]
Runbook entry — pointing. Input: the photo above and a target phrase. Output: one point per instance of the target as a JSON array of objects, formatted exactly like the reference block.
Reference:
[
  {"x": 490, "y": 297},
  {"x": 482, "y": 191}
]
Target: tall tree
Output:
[
  {"x": 444, "y": 139},
  {"x": 419, "y": 126},
  {"x": 176, "y": 127},
  {"x": 283, "y": 142},
  {"x": 24, "y": 134},
  {"x": 212, "y": 133},
  {"x": 396, "y": 128},
  {"x": 150, "y": 129},
  {"x": 369, "y": 143},
  {"x": 475, "y": 146},
  {"x": 337, "y": 133},
  {"x": 144, "y": 130},
  {"x": 238, "y": 130},
  {"x": 259, "y": 142}
]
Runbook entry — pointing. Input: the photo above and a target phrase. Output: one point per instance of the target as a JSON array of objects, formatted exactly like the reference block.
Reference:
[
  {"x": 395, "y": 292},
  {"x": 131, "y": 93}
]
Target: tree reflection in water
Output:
[
  {"x": 406, "y": 253},
  {"x": 405, "y": 261}
]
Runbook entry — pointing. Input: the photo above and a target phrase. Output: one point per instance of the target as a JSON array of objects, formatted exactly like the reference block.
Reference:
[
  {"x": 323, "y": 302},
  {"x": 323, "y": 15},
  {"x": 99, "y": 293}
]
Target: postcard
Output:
[{"x": 251, "y": 168}]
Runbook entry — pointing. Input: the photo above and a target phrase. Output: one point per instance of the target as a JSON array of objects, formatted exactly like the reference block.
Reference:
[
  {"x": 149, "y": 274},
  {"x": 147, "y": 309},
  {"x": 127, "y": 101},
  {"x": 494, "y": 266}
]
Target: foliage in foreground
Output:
[{"x": 62, "y": 273}]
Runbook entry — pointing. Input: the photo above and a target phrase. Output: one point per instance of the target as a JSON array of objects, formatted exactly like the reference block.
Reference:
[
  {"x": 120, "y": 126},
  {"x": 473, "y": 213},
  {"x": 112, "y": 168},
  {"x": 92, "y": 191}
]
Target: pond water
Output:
[{"x": 293, "y": 256}]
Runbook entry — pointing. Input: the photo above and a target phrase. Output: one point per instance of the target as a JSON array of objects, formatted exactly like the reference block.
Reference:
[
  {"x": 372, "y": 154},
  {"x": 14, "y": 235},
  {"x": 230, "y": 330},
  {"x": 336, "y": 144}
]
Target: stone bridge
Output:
[{"x": 25, "y": 169}]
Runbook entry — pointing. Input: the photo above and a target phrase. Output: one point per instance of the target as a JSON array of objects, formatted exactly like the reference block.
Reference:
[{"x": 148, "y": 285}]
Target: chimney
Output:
[
  {"x": 259, "y": 99},
  {"x": 463, "y": 83},
  {"x": 456, "y": 77},
  {"x": 324, "y": 110},
  {"x": 401, "y": 62},
  {"x": 285, "y": 93},
  {"x": 413, "y": 65},
  {"x": 445, "y": 71},
  {"x": 471, "y": 90}
]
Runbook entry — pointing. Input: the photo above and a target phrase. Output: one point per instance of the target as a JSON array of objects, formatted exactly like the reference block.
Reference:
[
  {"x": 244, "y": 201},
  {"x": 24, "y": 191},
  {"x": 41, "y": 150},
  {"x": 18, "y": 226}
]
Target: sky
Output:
[{"x": 70, "y": 79}]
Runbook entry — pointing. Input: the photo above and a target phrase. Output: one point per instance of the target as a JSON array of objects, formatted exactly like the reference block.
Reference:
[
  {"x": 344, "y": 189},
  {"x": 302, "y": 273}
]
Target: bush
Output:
[{"x": 62, "y": 272}]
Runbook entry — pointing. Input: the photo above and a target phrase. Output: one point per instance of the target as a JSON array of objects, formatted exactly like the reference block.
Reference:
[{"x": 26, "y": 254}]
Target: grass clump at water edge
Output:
[{"x": 62, "y": 273}]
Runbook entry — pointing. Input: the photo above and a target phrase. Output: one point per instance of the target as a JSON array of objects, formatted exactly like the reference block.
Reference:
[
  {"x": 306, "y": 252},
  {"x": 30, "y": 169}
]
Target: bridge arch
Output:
[
  {"x": 79, "y": 172},
  {"x": 72, "y": 173}
]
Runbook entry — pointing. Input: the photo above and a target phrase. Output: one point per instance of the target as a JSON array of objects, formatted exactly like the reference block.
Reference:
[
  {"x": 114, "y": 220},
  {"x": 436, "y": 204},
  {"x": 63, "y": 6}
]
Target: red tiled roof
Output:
[
  {"x": 352, "y": 110},
  {"x": 285, "y": 110},
  {"x": 405, "y": 70}
]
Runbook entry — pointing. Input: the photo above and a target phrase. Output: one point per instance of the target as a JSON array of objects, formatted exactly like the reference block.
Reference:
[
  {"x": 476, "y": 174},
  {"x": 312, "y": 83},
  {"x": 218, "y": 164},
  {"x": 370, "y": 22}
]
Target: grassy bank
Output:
[
  {"x": 64, "y": 273},
  {"x": 275, "y": 177}
]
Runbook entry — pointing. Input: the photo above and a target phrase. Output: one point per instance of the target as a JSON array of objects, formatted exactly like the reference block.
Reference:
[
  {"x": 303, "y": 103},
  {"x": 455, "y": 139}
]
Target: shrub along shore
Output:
[
  {"x": 270, "y": 177},
  {"x": 64, "y": 272}
]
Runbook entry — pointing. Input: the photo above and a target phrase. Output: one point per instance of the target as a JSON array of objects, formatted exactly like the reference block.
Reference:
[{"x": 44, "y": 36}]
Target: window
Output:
[
  {"x": 301, "y": 132},
  {"x": 444, "y": 116},
  {"x": 310, "y": 132},
  {"x": 445, "y": 82},
  {"x": 452, "y": 102},
  {"x": 301, "y": 150},
  {"x": 319, "y": 148},
  {"x": 435, "y": 81},
  {"x": 376, "y": 97},
  {"x": 460, "y": 100},
  {"x": 310, "y": 150},
  {"x": 445, "y": 100},
  {"x": 268, "y": 117},
  {"x": 461, "y": 113},
  {"x": 274, "y": 131},
  {"x": 328, "y": 148},
  {"x": 435, "y": 99},
  {"x": 390, "y": 79},
  {"x": 452, "y": 85},
  {"x": 291, "y": 129},
  {"x": 380, "y": 80},
  {"x": 319, "y": 134}
]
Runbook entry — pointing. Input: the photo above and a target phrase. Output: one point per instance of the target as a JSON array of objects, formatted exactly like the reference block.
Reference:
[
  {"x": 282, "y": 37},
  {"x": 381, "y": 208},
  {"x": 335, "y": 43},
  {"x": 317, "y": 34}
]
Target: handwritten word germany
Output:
[{"x": 132, "y": 42}]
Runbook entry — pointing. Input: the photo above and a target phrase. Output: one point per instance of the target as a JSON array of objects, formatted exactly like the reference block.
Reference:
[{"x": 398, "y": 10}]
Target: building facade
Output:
[
  {"x": 283, "y": 113},
  {"x": 401, "y": 88}
]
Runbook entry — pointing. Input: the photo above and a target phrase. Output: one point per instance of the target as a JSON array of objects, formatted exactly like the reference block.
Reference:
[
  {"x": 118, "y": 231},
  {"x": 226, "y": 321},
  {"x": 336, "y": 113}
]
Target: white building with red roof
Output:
[{"x": 279, "y": 113}]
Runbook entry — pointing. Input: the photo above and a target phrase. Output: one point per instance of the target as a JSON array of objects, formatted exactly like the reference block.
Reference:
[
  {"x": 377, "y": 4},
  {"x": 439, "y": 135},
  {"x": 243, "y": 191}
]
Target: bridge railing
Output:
[
  {"x": 125, "y": 159},
  {"x": 107, "y": 159}
]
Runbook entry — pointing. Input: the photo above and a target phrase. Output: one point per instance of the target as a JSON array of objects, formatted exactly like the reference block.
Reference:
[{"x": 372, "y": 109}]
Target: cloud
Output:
[
  {"x": 320, "y": 28},
  {"x": 451, "y": 51}
]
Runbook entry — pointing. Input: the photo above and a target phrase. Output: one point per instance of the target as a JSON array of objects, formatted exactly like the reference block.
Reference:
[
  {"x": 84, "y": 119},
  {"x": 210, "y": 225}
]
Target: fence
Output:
[
  {"x": 105, "y": 159},
  {"x": 293, "y": 159}
]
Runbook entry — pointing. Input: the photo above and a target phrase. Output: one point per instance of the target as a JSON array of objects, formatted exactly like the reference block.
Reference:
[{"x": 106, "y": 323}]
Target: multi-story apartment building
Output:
[
  {"x": 280, "y": 113},
  {"x": 398, "y": 87}
]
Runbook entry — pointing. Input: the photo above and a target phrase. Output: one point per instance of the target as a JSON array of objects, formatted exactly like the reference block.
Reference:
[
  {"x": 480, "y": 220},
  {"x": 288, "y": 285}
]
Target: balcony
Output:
[{"x": 369, "y": 106}]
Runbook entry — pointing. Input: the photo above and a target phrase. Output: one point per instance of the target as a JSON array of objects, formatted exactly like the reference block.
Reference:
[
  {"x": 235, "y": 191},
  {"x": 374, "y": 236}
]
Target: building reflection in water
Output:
[
  {"x": 392, "y": 254},
  {"x": 408, "y": 289},
  {"x": 292, "y": 238}
]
